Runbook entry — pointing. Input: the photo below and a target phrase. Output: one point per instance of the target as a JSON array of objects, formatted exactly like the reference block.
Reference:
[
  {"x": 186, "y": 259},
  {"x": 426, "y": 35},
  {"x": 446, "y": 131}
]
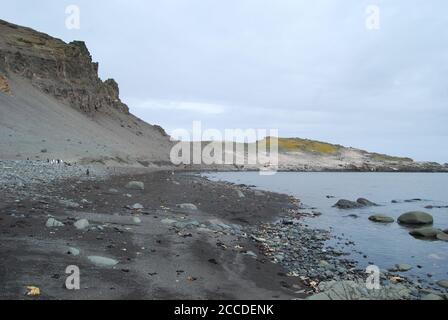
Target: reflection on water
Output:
[{"x": 382, "y": 244}]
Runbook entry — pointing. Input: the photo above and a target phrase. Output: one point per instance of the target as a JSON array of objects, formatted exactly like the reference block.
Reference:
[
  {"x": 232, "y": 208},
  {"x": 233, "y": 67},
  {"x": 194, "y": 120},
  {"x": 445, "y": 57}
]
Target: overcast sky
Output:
[{"x": 311, "y": 69}]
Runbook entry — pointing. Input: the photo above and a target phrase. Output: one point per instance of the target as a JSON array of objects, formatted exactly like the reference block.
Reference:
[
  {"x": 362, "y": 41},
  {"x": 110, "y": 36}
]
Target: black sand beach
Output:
[{"x": 162, "y": 251}]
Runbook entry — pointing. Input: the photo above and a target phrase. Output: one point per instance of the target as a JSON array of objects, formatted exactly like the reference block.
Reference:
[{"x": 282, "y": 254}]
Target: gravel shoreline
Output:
[{"x": 256, "y": 239}]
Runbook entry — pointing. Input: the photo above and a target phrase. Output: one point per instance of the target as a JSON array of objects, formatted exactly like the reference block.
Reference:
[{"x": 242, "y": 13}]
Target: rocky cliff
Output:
[
  {"x": 64, "y": 71},
  {"x": 54, "y": 105}
]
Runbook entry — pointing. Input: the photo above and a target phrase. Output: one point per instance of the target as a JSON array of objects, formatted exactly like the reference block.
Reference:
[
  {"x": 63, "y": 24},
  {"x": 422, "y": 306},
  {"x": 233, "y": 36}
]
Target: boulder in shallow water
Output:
[
  {"x": 402, "y": 267},
  {"x": 135, "y": 185},
  {"x": 432, "y": 296},
  {"x": 428, "y": 232},
  {"x": 347, "y": 204},
  {"x": 443, "y": 283},
  {"x": 380, "y": 218},
  {"x": 416, "y": 218},
  {"x": 366, "y": 203},
  {"x": 442, "y": 236}
]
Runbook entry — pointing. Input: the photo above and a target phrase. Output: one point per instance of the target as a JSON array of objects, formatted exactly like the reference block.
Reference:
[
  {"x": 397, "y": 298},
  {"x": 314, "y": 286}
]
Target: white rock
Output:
[
  {"x": 187, "y": 206},
  {"x": 81, "y": 224},
  {"x": 137, "y": 206},
  {"x": 137, "y": 220},
  {"x": 168, "y": 221},
  {"x": 240, "y": 194},
  {"x": 135, "y": 185},
  {"x": 73, "y": 251},
  {"x": 102, "y": 261},
  {"x": 53, "y": 223}
]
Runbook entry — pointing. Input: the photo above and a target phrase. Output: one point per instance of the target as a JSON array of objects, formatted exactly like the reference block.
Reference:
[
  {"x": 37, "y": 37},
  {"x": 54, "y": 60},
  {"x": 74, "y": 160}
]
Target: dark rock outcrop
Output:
[
  {"x": 347, "y": 204},
  {"x": 360, "y": 203},
  {"x": 381, "y": 218},
  {"x": 366, "y": 203},
  {"x": 64, "y": 71}
]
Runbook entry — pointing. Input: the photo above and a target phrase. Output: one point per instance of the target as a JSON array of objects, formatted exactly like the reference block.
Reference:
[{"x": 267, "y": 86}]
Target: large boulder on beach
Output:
[
  {"x": 380, "y": 218},
  {"x": 347, "y": 204},
  {"x": 416, "y": 218},
  {"x": 427, "y": 233},
  {"x": 135, "y": 185}
]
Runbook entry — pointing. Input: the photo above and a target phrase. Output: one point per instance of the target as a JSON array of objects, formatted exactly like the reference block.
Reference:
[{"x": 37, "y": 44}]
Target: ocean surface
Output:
[{"x": 381, "y": 244}]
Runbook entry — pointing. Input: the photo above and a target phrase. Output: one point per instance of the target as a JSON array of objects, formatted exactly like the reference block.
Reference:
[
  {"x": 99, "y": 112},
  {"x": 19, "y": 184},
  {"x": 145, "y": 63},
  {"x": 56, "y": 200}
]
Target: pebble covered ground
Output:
[
  {"x": 286, "y": 241},
  {"x": 16, "y": 174}
]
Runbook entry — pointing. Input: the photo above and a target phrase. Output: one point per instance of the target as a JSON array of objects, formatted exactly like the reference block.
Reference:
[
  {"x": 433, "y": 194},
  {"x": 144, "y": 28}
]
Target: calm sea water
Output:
[{"x": 384, "y": 244}]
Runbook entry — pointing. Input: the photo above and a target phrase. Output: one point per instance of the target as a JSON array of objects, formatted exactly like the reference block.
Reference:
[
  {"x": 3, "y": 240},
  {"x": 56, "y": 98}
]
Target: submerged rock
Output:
[
  {"x": 443, "y": 283},
  {"x": 432, "y": 296},
  {"x": 428, "y": 233},
  {"x": 402, "y": 267},
  {"x": 442, "y": 236},
  {"x": 135, "y": 185},
  {"x": 347, "y": 204},
  {"x": 416, "y": 217},
  {"x": 366, "y": 203},
  {"x": 381, "y": 218},
  {"x": 360, "y": 203}
]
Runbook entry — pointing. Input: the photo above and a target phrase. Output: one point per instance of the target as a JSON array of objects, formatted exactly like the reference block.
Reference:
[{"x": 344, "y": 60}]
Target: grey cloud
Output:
[{"x": 308, "y": 68}]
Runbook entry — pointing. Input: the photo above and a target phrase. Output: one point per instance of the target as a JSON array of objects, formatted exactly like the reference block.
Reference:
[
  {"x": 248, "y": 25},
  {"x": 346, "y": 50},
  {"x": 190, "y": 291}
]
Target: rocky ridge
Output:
[{"x": 64, "y": 71}]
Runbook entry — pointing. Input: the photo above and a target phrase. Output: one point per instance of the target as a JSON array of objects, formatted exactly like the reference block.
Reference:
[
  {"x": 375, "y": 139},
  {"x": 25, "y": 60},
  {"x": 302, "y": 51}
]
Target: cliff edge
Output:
[{"x": 54, "y": 105}]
